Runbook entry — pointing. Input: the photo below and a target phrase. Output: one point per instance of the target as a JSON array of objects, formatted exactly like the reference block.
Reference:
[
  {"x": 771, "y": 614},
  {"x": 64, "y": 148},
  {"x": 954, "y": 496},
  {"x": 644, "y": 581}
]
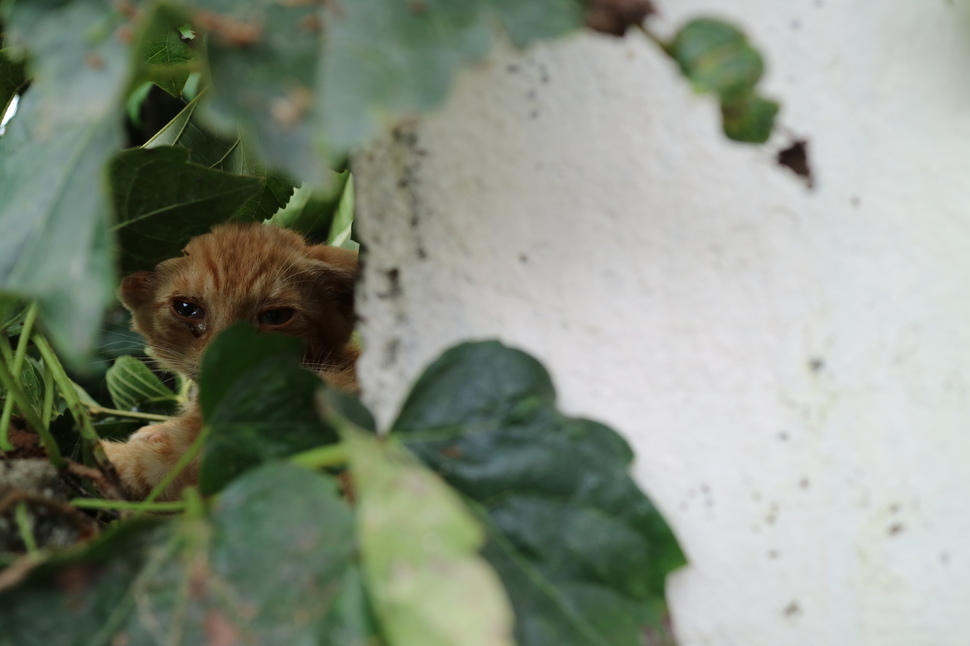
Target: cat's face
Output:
[{"x": 264, "y": 275}]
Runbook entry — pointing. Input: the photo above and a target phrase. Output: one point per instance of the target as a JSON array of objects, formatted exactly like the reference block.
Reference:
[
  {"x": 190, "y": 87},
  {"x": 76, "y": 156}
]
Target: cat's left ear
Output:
[
  {"x": 342, "y": 258},
  {"x": 136, "y": 289}
]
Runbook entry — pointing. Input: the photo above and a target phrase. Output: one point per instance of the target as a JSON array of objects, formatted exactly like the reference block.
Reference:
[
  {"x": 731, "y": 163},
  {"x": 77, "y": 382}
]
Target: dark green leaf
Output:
[
  {"x": 162, "y": 55},
  {"x": 161, "y": 201},
  {"x": 386, "y": 59},
  {"x": 570, "y": 532},
  {"x": 133, "y": 386},
  {"x": 227, "y": 154},
  {"x": 54, "y": 213},
  {"x": 267, "y": 566},
  {"x": 257, "y": 403},
  {"x": 12, "y": 78}
]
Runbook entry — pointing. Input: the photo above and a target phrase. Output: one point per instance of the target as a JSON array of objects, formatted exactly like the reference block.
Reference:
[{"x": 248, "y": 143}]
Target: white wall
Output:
[{"x": 792, "y": 366}]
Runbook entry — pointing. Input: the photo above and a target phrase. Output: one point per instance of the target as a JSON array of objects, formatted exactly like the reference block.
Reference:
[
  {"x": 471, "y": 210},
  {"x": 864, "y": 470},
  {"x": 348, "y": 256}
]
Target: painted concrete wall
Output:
[{"x": 792, "y": 366}]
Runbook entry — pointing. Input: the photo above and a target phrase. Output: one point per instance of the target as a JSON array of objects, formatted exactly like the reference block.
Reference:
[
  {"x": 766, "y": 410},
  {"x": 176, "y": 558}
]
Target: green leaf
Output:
[
  {"x": 342, "y": 227},
  {"x": 311, "y": 211},
  {"x": 263, "y": 62},
  {"x": 56, "y": 246},
  {"x": 257, "y": 403},
  {"x": 12, "y": 78},
  {"x": 161, "y": 201},
  {"x": 581, "y": 550},
  {"x": 266, "y": 566},
  {"x": 227, "y": 154},
  {"x": 133, "y": 386},
  {"x": 716, "y": 57},
  {"x": 749, "y": 118},
  {"x": 162, "y": 56},
  {"x": 384, "y": 59},
  {"x": 419, "y": 546}
]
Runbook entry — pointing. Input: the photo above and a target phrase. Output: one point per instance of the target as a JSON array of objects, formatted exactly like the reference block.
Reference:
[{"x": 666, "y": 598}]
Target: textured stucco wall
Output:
[{"x": 792, "y": 366}]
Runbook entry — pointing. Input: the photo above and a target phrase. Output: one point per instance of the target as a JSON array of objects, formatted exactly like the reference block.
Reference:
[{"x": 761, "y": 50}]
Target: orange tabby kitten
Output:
[{"x": 262, "y": 274}]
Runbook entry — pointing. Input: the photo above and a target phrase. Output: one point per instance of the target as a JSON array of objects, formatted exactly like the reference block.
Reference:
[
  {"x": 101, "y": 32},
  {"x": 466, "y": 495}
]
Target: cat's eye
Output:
[
  {"x": 188, "y": 309},
  {"x": 277, "y": 316}
]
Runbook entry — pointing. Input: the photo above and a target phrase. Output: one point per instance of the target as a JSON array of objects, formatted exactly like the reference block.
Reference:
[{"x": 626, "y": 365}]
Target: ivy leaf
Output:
[
  {"x": 717, "y": 58},
  {"x": 56, "y": 247},
  {"x": 581, "y": 550},
  {"x": 162, "y": 56},
  {"x": 133, "y": 387},
  {"x": 161, "y": 201},
  {"x": 419, "y": 546},
  {"x": 231, "y": 155},
  {"x": 384, "y": 59},
  {"x": 257, "y": 403},
  {"x": 227, "y": 577}
]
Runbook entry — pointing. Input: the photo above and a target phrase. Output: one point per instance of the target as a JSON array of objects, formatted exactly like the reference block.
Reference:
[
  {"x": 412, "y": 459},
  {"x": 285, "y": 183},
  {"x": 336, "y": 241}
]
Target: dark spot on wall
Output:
[
  {"x": 894, "y": 508},
  {"x": 772, "y": 554},
  {"x": 796, "y": 24},
  {"x": 534, "y": 114},
  {"x": 513, "y": 68},
  {"x": 782, "y": 436},
  {"x": 792, "y": 610},
  {"x": 896, "y": 528},
  {"x": 795, "y": 159},
  {"x": 422, "y": 254},
  {"x": 804, "y": 482},
  {"x": 531, "y": 95},
  {"x": 945, "y": 558},
  {"x": 855, "y": 201},
  {"x": 524, "y": 259},
  {"x": 816, "y": 364},
  {"x": 393, "y": 290}
]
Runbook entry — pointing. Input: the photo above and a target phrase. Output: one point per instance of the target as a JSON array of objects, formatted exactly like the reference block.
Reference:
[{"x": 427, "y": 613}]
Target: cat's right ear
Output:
[{"x": 136, "y": 290}]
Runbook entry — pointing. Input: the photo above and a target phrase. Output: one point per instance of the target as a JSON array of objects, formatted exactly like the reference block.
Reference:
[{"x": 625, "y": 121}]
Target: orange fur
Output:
[{"x": 235, "y": 273}]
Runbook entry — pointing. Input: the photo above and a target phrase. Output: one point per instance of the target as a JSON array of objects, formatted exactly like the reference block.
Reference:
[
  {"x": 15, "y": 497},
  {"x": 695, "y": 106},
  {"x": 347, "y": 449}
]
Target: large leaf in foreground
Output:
[
  {"x": 385, "y": 59},
  {"x": 54, "y": 213},
  {"x": 582, "y": 552},
  {"x": 419, "y": 547},
  {"x": 263, "y": 59},
  {"x": 161, "y": 201},
  {"x": 12, "y": 78},
  {"x": 257, "y": 403},
  {"x": 231, "y": 577}
]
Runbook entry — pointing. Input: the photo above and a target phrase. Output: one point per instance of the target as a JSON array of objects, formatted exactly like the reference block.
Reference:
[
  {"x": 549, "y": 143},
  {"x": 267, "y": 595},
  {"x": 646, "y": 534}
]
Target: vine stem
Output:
[
  {"x": 95, "y": 409},
  {"x": 321, "y": 457},
  {"x": 127, "y": 505},
  {"x": 66, "y": 386},
  {"x": 15, "y": 367},
  {"x": 16, "y": 392}
]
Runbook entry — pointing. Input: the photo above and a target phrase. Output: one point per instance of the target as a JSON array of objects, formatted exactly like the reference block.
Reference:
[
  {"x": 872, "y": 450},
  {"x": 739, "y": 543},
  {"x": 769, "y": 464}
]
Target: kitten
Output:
[{"x": 262, "y": 274}]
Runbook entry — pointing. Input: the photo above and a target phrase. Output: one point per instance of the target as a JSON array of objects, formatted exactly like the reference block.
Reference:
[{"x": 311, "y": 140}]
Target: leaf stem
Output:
[
  {"x": 95, "y": 409},
  {"x": 128, "y": 505},
  {"x": 15, "y": 367},
  {"x": 64, "y": 384},
  {"x": 322, "y": 457},
  {"x": 14, "y": 391},
  {"x": 23, "y": 525}
]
